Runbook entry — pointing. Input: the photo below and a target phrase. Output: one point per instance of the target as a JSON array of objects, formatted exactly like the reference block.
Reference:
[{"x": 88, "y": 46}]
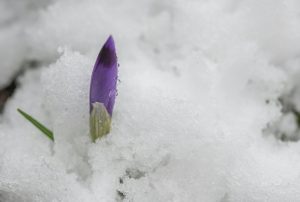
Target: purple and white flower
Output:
[{"x": 103, "y": 90}]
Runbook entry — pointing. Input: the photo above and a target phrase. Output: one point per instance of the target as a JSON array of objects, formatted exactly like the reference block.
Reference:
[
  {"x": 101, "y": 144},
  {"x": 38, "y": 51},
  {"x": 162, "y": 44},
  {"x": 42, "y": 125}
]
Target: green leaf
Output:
[{"x": 37, "y": 124}]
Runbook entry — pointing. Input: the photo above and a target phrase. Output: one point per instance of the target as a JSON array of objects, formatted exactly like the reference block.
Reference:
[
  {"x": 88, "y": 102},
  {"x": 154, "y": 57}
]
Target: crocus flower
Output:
[{"x": 103, "y": 90}]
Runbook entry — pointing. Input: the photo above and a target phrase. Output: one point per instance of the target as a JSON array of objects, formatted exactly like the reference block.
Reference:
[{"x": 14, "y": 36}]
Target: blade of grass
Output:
[{"x": 37, "y": 124}]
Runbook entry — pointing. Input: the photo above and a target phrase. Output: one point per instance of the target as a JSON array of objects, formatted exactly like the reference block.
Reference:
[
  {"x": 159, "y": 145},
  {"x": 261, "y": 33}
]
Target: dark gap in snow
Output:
[
  {"x": 287, "y": 127},
  {"x": 120, "y": 196},
  {"x": 135, "y": 173},
  {"x": 6, "y": 92},
  {"x": 130, "y": 173},
  {"x": 9, "y": 89}
]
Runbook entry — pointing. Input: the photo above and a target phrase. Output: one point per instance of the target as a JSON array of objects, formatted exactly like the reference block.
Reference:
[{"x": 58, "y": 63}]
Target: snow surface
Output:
[{"x": 197, "y": 116}]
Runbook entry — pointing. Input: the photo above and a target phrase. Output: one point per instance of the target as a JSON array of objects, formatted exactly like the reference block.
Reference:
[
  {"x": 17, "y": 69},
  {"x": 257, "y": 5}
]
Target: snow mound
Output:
[{"x": 207, "y": 90}]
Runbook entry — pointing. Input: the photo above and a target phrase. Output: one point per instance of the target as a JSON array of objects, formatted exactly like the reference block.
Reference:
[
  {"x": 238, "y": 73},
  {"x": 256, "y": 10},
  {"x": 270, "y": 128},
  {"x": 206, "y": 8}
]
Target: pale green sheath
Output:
[{"x": 99, "y": 121}]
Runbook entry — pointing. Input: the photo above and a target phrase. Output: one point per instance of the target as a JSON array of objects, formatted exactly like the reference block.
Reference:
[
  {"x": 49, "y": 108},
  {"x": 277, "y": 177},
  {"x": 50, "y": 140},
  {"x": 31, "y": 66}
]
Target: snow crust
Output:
[{"x": 197, "y": 116}]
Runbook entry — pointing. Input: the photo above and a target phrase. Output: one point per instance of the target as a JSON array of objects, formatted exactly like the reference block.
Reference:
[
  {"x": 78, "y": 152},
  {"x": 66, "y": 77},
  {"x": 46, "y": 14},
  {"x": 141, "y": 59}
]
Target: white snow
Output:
[{"x": 197, "y": 116}]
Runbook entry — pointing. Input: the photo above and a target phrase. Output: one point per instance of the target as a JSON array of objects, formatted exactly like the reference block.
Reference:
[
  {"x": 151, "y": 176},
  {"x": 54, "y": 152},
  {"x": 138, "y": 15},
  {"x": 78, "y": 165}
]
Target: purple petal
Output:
[{"x": 104, "y": 77}]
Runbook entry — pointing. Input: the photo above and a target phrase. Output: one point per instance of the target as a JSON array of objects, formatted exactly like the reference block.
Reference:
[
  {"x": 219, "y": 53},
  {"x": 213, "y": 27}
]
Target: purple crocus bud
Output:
[{"x": 103, "y": 90}]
